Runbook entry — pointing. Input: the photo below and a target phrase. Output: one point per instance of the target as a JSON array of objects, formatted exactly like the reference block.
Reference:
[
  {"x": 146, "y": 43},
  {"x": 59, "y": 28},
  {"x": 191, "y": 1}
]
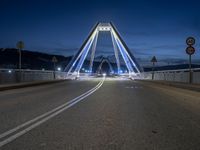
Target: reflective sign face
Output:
[
  {"x": 54, "y": 59},
  {"x": 20, "y": 45},
  {"x": 154, "y": 59},
  {"x": 190, "y": 50},
  {"x": 190, "y": 41}
]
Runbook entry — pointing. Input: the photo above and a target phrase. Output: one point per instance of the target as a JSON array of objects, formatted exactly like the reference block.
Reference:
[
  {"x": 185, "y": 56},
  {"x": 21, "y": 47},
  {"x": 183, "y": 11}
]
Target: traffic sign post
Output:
[
  {"x": 190, "y": 41},
  {"x": 54, "y": 60},
  {"x": 20, "y": 46},
  {"x": 190, "y": 69},
  {"x": 190, "y": 50},
  {"x": 153, "y": 60}
]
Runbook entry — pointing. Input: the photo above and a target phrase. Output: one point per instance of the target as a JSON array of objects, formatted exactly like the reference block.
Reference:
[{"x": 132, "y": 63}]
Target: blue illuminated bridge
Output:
[
  {"x": 119, "y": 46},
  {"x": 72, "y": 110}
]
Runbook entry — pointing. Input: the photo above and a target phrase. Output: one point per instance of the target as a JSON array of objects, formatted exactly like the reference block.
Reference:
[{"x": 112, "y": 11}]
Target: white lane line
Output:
[
  {"x": 43, "y": 115},
  {"x": 48, "y": 116}
]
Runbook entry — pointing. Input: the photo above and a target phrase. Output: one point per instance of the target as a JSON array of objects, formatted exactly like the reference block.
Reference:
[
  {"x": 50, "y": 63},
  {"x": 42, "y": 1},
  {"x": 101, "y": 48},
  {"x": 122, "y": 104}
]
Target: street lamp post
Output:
[
  {"x": 54, "y": 60},
  {"x": 153, "y": 60},
  {"x": 20, "y": 46}
]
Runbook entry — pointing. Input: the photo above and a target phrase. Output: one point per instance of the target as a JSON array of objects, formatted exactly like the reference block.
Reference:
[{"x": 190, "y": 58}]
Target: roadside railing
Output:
[
  {"x": 26, "y": 75},
  {"x": 180, "y": 75}
]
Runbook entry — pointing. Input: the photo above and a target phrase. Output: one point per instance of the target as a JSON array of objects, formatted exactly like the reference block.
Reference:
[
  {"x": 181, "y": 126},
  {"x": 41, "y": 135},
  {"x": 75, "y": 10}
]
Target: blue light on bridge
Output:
[
  {"x": 59, "y": 68},
  {"x": 90, "y": 44}
]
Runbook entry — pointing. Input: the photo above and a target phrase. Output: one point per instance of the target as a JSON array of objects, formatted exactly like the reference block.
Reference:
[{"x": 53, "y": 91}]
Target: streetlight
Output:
[
  {"x": 59, "y": 69},
  {"x": 20, "y": 46},
  {"x": 54, "y": 60},
  {"x": 153, "y": 60}
]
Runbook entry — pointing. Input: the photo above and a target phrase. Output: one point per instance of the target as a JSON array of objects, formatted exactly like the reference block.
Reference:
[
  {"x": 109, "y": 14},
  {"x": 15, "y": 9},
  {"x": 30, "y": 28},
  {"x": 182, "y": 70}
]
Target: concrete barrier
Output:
[
  {"x": 181, "y": 75},
  {"x": 15, "y": 76}
]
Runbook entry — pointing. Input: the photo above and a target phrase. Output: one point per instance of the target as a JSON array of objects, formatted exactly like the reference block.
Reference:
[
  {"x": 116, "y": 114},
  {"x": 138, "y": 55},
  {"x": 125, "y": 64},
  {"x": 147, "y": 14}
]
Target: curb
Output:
[
  {"x": 192, "y": 87},
  {"x": 29, "y": 84}
]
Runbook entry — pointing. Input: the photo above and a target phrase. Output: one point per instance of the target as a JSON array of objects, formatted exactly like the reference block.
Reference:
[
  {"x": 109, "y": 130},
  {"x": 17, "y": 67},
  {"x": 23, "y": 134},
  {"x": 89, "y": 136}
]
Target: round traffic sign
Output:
[
  {"x": 190, "y": 41},
  {"x": 190, "y": 50}
]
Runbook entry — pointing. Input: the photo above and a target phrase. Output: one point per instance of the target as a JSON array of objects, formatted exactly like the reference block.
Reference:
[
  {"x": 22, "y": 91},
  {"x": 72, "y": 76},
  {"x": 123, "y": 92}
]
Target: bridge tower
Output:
[
  {"x": 105, "y": 60},
  {"x": 90, "y": 43}
]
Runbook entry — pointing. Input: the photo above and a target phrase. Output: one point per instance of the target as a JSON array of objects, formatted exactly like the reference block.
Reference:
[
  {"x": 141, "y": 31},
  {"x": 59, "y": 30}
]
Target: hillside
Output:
[
  {"x": 30, "y": 60},
  {"x": 37, "y": 60}
]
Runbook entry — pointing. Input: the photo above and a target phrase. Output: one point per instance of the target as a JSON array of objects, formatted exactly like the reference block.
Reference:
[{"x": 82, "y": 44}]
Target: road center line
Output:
[{"x": 45, "y": 117}]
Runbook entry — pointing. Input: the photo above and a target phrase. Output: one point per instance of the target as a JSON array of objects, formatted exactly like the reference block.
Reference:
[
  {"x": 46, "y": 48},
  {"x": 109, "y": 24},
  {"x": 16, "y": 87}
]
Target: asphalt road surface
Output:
[{"x": 100, "y": 115}]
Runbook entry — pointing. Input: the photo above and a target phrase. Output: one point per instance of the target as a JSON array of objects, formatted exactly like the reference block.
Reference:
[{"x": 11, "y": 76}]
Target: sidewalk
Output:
[
  {"x": 4, "y": 87},
  {"x": 193, "y": 87}
]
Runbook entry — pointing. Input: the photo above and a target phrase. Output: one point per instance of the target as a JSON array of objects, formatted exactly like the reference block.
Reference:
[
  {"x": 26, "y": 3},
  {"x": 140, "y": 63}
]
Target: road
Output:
[{"x": 114, "y": 115}]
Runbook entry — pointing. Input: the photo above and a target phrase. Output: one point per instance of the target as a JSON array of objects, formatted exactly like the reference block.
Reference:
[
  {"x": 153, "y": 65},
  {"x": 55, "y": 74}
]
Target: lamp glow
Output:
[{"x": 59, "y": 69}]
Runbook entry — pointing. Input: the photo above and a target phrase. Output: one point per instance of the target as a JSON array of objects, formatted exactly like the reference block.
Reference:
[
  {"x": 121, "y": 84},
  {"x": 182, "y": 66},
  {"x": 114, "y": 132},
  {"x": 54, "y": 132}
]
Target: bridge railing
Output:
[
  {"x": 15, "y": 75},
  {"x": 181, "y": 75}
]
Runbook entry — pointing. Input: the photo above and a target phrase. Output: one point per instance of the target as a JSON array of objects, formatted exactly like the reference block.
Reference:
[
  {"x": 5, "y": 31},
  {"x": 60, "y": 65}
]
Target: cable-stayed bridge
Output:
[{"x": 119, "y": 48}]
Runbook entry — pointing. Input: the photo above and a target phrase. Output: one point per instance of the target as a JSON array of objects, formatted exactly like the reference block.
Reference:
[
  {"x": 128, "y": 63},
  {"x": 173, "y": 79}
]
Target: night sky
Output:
[{"x": 149, "y": 27}]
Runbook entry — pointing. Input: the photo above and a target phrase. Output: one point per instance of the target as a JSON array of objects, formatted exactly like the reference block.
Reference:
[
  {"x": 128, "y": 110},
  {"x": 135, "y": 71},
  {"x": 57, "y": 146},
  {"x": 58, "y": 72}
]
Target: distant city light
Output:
[
  {"x": 59, "y": 69},
  {"x": 43, "y": 69},
  {"x": 104, "y": 74},
  {"x": 87, "y": 71},
  {"x": 9, "y": 71}
]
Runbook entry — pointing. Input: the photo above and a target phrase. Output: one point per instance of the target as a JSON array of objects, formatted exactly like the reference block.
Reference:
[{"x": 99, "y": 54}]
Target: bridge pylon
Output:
[{"x": 90, "y": 44}]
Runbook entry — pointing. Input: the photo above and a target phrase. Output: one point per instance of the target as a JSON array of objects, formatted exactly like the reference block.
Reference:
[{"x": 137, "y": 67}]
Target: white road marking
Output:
[
  {"x": 41, "y": 116},
  {"x": 44, "y": 117}
]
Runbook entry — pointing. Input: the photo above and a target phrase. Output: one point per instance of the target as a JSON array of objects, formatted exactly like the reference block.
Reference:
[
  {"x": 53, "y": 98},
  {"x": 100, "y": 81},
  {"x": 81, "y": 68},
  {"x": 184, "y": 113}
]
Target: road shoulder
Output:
[
  {"x": 187, "y": 86},
  {"x": 27, "y": 84}
]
